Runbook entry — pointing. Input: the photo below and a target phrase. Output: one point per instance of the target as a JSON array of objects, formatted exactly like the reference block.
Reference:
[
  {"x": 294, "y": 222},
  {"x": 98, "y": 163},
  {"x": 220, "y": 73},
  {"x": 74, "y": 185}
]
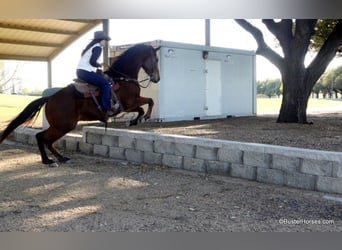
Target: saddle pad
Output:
[{"x": 86, "y": 89}]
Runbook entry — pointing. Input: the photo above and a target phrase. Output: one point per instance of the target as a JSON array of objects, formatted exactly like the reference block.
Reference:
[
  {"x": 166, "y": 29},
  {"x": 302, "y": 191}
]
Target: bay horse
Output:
[{"x": 65, "y": 108}]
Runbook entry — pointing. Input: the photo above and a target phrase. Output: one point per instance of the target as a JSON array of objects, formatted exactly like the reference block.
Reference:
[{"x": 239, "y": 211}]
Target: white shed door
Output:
[{"x": 213, "y": 87}]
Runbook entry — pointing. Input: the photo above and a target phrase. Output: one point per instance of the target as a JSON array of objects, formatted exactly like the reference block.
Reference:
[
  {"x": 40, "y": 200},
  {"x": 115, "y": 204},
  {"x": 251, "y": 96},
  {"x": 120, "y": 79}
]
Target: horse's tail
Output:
[{"x": 31, "y": 111}]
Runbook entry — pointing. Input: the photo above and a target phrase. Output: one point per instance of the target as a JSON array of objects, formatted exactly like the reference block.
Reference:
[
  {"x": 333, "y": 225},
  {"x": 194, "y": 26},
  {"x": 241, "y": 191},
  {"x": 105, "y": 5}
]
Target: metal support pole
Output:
[
  {"x": 49, "y": 69},
  {"x": 207, "y": 32},
  {"x": 105, "y": 24}
]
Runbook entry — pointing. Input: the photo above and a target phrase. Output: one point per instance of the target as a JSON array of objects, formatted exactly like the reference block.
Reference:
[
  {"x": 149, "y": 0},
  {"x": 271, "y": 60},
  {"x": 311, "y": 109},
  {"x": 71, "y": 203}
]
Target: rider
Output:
[{"x": 88, "y": 65}]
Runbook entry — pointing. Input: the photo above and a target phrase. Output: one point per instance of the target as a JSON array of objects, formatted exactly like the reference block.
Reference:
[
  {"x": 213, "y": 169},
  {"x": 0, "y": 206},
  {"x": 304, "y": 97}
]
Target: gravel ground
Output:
[
  {"x": 324, "y": 134},
  {"x": 94, "y": 194}
]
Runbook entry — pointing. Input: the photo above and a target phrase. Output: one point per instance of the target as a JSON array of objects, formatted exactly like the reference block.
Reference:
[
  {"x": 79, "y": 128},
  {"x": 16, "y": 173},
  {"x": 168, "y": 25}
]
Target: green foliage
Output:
[
  {"x": 323, "y": 29},
  {"x": 329, "y": 81},
  {"x": 269, "y": 87}
]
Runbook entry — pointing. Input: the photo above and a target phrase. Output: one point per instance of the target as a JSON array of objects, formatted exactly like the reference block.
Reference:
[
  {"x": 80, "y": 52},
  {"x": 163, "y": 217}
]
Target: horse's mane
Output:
[{"x": 127, "y": 58}]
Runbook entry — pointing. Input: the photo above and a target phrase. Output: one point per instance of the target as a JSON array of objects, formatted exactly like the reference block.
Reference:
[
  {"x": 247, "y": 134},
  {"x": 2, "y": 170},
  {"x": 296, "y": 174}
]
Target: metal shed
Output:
[{"x": 201, "y": 82}]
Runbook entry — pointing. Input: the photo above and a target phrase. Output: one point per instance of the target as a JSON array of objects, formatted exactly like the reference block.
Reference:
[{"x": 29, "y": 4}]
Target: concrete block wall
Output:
[{"x": 288, "y": 166}]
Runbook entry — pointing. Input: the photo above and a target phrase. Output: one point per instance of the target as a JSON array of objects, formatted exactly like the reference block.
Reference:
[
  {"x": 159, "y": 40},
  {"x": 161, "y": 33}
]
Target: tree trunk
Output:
[
  {"x": 293, "y": 107},
  {"x": 295, "y": 98}
]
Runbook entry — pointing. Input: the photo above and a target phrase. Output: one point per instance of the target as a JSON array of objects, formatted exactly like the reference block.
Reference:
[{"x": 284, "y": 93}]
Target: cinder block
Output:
[
  {"x": 134, "y": 155},
  {"x": 329, "y": 184},
  {"x": 194, "y": 164},
  {"x": 101, "y": 150},
  {"x": 164, "y": 147},
  {"x": 71, "y": 144},
  {"x": 184, "y": 149},
  {"x": 316, "y": 167},
  {"x": 28, "y": 133},
  {"x": 173, "y": 161},
  {"x": 60, "y": 144},
  {"x": 242, "y": 171},
  {"x": 126, "y": 142},
  {"x": 153, "y": 158},
  {"x": 144, "y": 145},
  {"x": 229, "y": 155},
  {"x": 218, "y": 167},
  {"x": 93, "y": 138},
  {"x": 32, "y": 140},
  {"x": 298, "y": 180},
  {"x": 337, "y": 169},
  {"x": 21, "y": 137},
  {"x": 257, "y": 159},
  {"x": 273, "y": 176},
  {"x": 206, "y": 153},
  {"x": 117, "y": 153},
  {"x": 86, "y": 148},
  {"x": 285, "y": 163},
  {"x": 111, "y": 141}
]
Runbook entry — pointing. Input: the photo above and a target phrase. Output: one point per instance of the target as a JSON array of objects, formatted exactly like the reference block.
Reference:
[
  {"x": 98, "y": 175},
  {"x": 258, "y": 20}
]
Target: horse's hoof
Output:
[
  {"x": 64, "y": 160},
  {"x": 133, "y": 123},
  {"x": 47, "y": 161},
  {"x": 53, "y": 165}
]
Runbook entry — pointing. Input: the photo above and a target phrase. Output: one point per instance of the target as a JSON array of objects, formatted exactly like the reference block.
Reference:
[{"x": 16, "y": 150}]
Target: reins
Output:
[{"x": 126, "y": 78}]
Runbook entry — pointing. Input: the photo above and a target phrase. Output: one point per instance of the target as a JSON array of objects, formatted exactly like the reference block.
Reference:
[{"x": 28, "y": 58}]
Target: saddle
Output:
[{"x": 88, "y": 90}]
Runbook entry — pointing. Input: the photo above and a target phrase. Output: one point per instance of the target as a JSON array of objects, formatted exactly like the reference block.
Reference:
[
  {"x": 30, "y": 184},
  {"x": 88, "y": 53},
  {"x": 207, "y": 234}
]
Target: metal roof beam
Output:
[
  {"x": 91, "y": 24},
  {"x": 30, "y": 43},
  {"x": 37, "y": 29},
  {"x": 24, "y": 58},
  {"x": 90, "y": 21}
]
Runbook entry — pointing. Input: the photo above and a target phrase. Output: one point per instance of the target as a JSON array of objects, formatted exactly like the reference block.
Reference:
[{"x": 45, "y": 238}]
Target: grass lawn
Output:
[
  {"x": 272, "y": 105},
  {"x": 12, "y": 105}
]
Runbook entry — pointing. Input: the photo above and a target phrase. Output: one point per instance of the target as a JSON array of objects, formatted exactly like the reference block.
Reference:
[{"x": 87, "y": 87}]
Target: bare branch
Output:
[
  {"x": 282, "y": 31},
  {"x": 326, "y": 53},
  {"x": 263, "y": 48}
]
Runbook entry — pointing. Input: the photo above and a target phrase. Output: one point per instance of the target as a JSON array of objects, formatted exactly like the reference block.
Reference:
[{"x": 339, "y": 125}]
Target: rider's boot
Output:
[{"x": 116, "y": 107}]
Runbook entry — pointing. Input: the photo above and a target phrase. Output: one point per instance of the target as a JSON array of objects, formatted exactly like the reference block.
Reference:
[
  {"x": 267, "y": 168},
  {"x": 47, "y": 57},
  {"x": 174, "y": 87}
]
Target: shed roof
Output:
[{"x": 40, "y": 39}]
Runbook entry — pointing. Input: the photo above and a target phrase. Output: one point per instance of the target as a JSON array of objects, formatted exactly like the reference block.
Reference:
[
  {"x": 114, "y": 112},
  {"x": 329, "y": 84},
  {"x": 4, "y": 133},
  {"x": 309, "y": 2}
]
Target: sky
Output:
[{"x": 224, "y": 33}]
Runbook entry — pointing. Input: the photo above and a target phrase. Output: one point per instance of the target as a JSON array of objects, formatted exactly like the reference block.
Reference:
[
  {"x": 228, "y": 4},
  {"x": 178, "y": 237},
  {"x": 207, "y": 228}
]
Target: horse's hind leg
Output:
[
  {"x": 41, "y": 146},
  {"x": 47, "y": 138},
  {"x": 60, "y": 158},
  {"x": 51, "y": 136}
]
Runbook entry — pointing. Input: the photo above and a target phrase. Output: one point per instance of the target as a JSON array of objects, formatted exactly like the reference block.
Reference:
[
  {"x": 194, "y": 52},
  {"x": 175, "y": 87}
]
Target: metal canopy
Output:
[{"x": 40, "y": 39}]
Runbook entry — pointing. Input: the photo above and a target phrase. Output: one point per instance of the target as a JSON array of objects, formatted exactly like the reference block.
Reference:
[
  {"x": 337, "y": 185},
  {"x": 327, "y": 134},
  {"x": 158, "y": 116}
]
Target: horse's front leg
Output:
[
  {"x": 137, "y": 120},
  {"x": 150, "y": 103},
  {"x": 143, "y": 101}
]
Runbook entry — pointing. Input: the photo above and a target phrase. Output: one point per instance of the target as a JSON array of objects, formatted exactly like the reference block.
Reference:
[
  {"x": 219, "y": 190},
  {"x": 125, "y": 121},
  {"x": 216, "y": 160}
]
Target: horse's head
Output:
[
  {"x": 150, "y": 64},
  {"x": 132, "y": 60}
]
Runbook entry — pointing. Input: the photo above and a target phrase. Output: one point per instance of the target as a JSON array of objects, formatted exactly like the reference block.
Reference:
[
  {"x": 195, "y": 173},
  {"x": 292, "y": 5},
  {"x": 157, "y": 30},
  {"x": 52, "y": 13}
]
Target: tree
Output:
[
  {"x": 8, "y": 78},
  {"x": 331, "y": 82},
  {"x": 318, "y": 88},
  {"x": 269, "y": 87},
  {"x": 295, "y": 38}
]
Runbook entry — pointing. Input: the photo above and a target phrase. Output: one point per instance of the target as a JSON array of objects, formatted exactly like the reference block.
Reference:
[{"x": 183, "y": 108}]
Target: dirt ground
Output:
[
  {"x": 324, "y": 134},
  {"x": 95, "y": 194}
]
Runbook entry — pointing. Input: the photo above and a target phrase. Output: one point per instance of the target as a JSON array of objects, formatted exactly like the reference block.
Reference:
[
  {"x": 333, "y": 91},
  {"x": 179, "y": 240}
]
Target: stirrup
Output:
[
  {"x": 116, "y": 106},
  {"x": 110, "y": 113}
]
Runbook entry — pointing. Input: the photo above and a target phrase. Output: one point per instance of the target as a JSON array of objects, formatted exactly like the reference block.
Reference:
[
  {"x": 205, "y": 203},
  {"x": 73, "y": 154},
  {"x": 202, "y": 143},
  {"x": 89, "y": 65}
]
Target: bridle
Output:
[{"x": 127, "y": 78}]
